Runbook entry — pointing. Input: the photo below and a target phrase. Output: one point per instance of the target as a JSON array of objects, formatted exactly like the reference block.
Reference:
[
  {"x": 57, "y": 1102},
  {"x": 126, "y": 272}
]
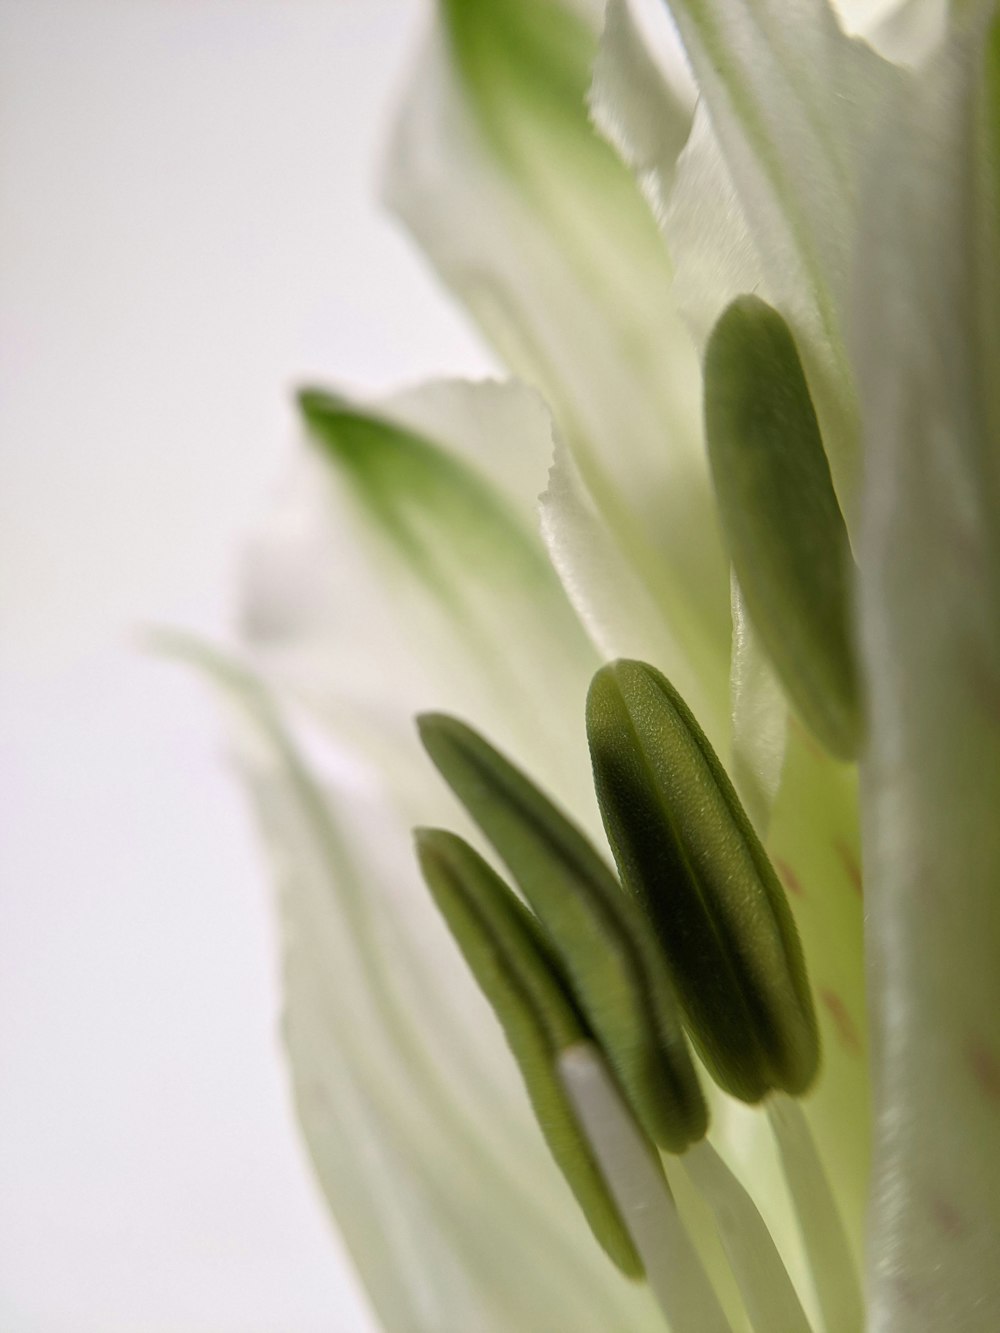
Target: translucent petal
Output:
[
  {"x": 392, "y": 576},
  {"x": 641, "y": 112},
  {"x": 407, "y": 1141},
  {"x": 928, "y": 352},
  {"x": 791, "y": 101},
  {"x": 759, "y": 721},
  {"x": 616, "y": 607},
  {"x": 783, "y": 526},
  {"x": 714, "y": 253},
  {"x": 813, "y": 843},
  {"x": 905, "y": 31},
  {"x": 542, "y": 232}
]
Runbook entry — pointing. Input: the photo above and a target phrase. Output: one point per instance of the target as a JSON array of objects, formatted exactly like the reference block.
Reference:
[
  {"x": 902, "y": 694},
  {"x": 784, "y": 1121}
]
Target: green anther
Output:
[
  {"x": 784, "y": 528},
  {"x": 687, "y": 851},
  {"x": 611, "y": 959},
  {"x": 512, "y": 964}
]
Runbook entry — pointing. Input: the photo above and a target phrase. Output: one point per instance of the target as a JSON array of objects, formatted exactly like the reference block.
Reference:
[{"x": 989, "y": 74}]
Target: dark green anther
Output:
[
  {"x": 783, "y": 526},
  {"x": 686, "y": 849},
  {"x": 507, "y": 955},
  {"x": 610, "y": 957}
]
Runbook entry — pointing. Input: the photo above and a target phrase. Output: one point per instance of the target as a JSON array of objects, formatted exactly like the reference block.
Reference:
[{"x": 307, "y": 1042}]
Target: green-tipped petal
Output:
[
  {"x": 759, "y": 719},
  {"x": 363, "y": 588},
  {"x": 928, "y": 354},
  {"x": 544, "y": 235},
  {"x": 613, "y": 964},
  {"x": 784, "y": 527},
  {"x": 512, "y": 964},
  {"x": 687, "y": 851}
]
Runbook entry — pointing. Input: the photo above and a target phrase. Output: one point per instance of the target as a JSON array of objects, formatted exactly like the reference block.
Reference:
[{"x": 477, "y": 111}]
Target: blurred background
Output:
[{"x": 188, "y": 225}]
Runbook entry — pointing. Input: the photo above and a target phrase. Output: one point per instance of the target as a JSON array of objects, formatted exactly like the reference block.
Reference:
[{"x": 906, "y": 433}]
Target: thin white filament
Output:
[
  {"x": 639, "y": 1188},
  {"x": 770, "y": 1299}
]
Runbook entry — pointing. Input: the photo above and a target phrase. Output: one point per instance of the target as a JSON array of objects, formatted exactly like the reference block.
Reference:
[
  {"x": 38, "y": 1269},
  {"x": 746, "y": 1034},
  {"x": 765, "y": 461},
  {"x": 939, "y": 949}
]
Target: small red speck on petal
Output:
[
  {"x": 808, "y": 740},
  {"x": 947, "y": 1216},
  {"x": 850, "y": 863},
  {"x": 789, "y": 878},
  {"x": 844, "y": 1023},
  {"x": 985, "y": 1068}
]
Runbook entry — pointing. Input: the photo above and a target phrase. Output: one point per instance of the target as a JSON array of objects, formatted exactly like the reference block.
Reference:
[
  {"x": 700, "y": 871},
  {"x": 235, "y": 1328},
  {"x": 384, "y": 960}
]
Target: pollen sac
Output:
[
  {"x": 687, "y": 851},
  {"x": 613, "y": 965},
  {"x": 783, "y": 525},
  {"x": 510, "y": 960}
]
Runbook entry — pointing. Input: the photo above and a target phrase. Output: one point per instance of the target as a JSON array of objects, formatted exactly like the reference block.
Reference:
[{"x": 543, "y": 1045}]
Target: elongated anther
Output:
[
  {"x": 687, "y": 851},
  {"x": 609, "y": 956},
  {"x": 509, "y": 959},
  {"x": 783, "y": 525}
]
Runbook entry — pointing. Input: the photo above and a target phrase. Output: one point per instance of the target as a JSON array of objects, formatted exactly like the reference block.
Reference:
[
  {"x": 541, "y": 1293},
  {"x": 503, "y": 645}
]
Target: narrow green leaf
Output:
[
  {"x": 687, "y": 851},
  {"x": 613, "y": 963},
  {"x": 512, "y": 964},
  {"x": 785, "y": 531}
]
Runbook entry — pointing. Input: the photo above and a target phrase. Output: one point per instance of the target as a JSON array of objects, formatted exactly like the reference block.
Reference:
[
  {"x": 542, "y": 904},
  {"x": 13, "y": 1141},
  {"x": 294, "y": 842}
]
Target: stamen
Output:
[
  {"x": 613, "y": 963},
  {"x": 687, "y": 851},
  {"x": 782, "y": 522},
  {"x": 833, "y": 1268},
  {"x": 637, "y": 1183},
  {"x": 504, "y": 950},
  {"x": 770, "y": 1299}
]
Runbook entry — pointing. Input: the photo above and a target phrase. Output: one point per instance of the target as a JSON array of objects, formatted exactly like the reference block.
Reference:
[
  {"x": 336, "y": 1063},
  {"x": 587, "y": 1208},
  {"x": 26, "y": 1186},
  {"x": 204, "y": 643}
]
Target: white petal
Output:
[
  {"x": 643, "y": 114},
  {"x": 617, "y": 609},
  {"x": 430, "y": 591},
  {"x": 760, "y": 719},
  {"x": 928, "y": 352},
  {"x": 905, "y": 31},
  {"x": 544, "y": 235},
  {"x": 714, "y": 252},
  {"x": 410, "y": 1104},
  {"x": 792, "y": 101}
]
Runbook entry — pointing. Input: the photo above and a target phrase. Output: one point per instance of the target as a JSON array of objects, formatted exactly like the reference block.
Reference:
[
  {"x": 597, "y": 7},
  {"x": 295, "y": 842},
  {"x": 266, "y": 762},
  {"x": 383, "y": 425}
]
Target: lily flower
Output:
[{"x": 744, "y": 262}]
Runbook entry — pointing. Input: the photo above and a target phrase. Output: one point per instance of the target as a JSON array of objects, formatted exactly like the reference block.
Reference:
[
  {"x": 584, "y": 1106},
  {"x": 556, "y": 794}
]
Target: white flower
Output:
[{"x": 405, "y": 569}]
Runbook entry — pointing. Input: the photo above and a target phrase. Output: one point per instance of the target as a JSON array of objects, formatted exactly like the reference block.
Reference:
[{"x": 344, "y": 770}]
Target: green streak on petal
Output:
[
  {"x": 420, "y": 496},
  {"x": 521, "y": 61},
  {"x": 513, "y": 966}
]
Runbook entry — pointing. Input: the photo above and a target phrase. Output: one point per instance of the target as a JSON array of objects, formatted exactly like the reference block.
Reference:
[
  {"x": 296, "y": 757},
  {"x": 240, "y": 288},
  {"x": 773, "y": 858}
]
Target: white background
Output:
[{"x": 187, "y": 225}]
